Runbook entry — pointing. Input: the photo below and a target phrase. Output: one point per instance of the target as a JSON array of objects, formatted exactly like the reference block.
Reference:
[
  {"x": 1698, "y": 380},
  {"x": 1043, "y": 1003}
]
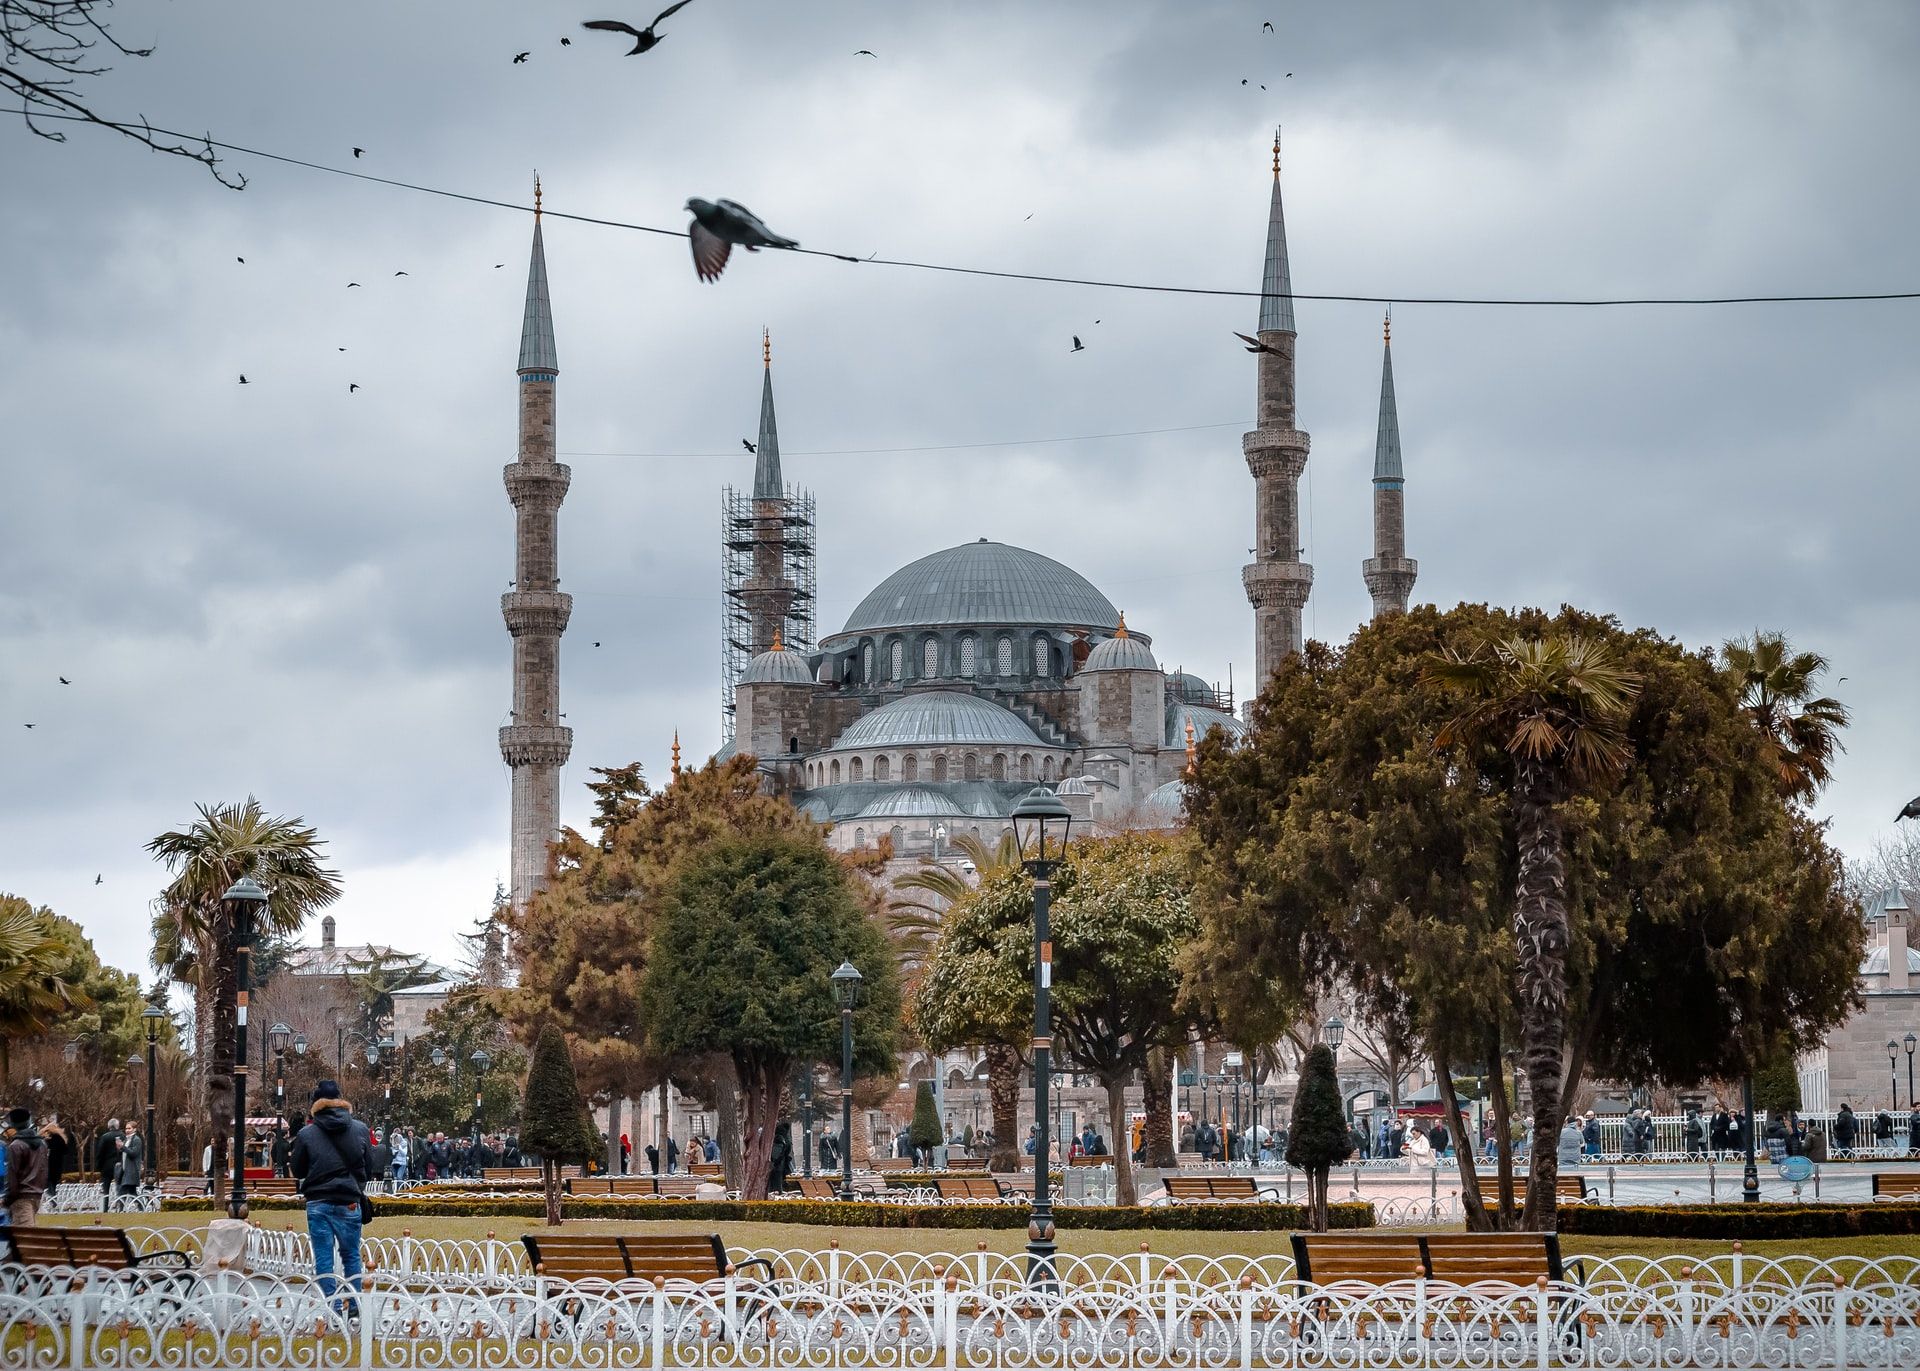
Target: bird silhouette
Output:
[
  {"x": 358, "y": 151},
  {"x": 352, "y": 284},
  {"x": 241, "y": 260},
  {"x": 339, "y": 349},
  {"x": 98, "y": 879},
  {"x": 866, "y": 52},
  {"x": 566, "y": 42},
  {"x": 498, "y": 265},
  {"x": 1912, "y": 810},
  {"x": 65, "y": 681},
  {"x": 748, "y": 446},
  {"x": 596, "y": 644},
  {"x": 1255, "y": 345},
  {"x": 1243, "y": 80},
  {"x": 1078, "y": 346},
  {"x": 718, "y": 225},
  {"x": 520, "y": 57},
  {"x": 644, "y": 40},
  {"x": 29, "y": 725},
  {"x": 399, "y": 273},
  {"x": 1267, "y": 27},
  {"x": 352, "y": 386},
  {"x": 243, "y": 379}
]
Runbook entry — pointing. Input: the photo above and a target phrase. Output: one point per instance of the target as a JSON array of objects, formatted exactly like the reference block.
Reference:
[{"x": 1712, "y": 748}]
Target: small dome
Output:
[
  {"x": 1876, "y": 962},
  {"x": 1202, "y": 718},
  {"x": 1166, "y": 805},
  {"x": 1121, "y": 652},
  {"x": 1074, "y": 785},
  {"x": 934, "y": 717},
  {"x": 911, "y": 802},
  {"x": 1187, "y": 687},
  {"x": 777, "y": 667}
]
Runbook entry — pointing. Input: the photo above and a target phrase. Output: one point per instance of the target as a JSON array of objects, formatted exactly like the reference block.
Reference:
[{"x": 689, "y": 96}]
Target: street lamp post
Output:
[
  {"x": 481, "y": 1060},
  {"x": 245, "y": 900},
  {"x": 151, "y": 1016},
  {"x": 1750, "y": 1173},
  {"x": 1041, "y": 825},
  {"x": 806, "y": 1122},
  {"x": 846, "y": 982},
  {"x": 1334, "y": 1032},
  {"x": 1910, "y": 1044},
  {"x": 1893, "y": 1073}
]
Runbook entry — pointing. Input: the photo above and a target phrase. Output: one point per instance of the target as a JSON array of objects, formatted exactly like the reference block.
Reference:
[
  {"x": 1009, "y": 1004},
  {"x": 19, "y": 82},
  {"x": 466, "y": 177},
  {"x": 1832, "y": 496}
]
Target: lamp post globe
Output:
[
  {"x": 1042, "y": 823},
  {"x": 244, "y": 901},
  {"x": 846, "y": 986},
  {"x": 299, "y": 1044},
  {"x": 1336, "y": 1033}
]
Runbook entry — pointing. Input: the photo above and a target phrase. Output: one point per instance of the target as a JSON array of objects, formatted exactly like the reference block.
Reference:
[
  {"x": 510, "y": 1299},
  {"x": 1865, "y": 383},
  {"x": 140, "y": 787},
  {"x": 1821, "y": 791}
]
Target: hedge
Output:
[
  {"x": 1739, "y": 1220},
  {"x": 858, "y": 1214}
]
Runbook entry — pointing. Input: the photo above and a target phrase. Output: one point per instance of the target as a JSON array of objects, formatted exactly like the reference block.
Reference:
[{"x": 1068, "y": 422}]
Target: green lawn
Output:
[{"x": 1169, "y": 1243}]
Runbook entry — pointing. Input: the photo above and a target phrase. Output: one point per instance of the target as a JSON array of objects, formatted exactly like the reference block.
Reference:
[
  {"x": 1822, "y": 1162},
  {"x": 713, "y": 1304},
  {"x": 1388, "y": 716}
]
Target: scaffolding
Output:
[{"x": 742, "y": 536}]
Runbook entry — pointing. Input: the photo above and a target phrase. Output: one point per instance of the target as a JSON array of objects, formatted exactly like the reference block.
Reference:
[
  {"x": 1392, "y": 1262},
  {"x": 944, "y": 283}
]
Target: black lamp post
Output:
[
  {"x": 846, "y": 982},
  {"x": 1910, "y": 1046},
  {"x": 245, "y": 901},
  {"x": 1750, "y": 1173},
  {"x": 481, "y": 1060},
  {"x": 280, "y": 1036},
  {"x": 1893, "y": 1072},
  {"x": 151, "y": 1017},
  {"x": 806, "y": 1122},
  {"x": 1041, "y": 823}
]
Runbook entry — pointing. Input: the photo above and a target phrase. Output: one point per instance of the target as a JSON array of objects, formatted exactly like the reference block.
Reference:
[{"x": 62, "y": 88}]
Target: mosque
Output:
[{"x": 965, "y": 678}]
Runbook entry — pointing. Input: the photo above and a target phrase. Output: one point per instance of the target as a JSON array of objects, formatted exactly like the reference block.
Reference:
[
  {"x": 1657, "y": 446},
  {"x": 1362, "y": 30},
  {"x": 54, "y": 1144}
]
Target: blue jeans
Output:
[{"x": 328, "y": 1224}]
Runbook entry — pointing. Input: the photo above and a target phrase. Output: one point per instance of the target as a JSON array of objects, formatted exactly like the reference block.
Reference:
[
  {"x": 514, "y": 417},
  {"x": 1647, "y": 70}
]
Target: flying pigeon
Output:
[
  {"x": 352, "y": 284},
  {"x": 520, "y": 57},
  {"x": 596, "y": 644},
  {"x": 98, "y": 879},
  {"x": 1078, "y": 346},
  {"x": 65, "y": 681},
  {"x": 358, "y": 151},
  {"x": 644, "y": 40},
  {"x": 1912, "y": 811},
  {"x": 352, "y": 386},
  {"x": 243, "y": 379},
  {"x": 1243, "y": 80},
  {"x": 29, "y": 725},
  {"x": 241, "y": 260},
  {"x": 566, "y": 42},
  {"x": 1267, "y": 27},
  {"x": 718, "y": 225},
  {"x": 867, "y": 52},
  {"x": 748, "y": 446},
  {"x": 399, "y": 273},
  {"x": 1255, "y": 345}
]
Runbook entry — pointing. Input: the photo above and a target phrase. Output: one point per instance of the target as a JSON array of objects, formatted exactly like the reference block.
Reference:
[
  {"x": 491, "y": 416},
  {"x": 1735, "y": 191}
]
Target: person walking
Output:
[
  {"x": 59, "y": 1151},
  {"x": 106, "y": 1160},
  {"x": 26, "y": 1169},
  {"x": 1571, "y": 1145},
  {"x": 133, "y": 1156},
  {"x": 1590, "y": 1134},
  {"x": 402, "y": 1151},
  {"x": 332, "y": 1161},
  {"x": 1846, "y": 1128}
]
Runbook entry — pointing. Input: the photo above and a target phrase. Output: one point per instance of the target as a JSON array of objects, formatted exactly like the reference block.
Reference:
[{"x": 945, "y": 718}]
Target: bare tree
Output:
[
  {"x": 50, "y": 50},
  {"x": 1893, "y": 860}
]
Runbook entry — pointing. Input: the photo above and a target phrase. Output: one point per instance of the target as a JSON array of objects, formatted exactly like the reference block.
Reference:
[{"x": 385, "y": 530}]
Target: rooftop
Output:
[{"x": 984, "y": 583}]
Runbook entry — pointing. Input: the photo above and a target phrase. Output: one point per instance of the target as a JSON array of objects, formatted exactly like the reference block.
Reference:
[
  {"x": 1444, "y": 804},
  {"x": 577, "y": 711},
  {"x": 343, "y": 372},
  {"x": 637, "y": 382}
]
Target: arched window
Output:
[
  {"x": 1040, "y": 656},
  {"x": 1005, "y": 665},
  {"x": 860, "y": 838},
  {"x": 940, "y": 767},
  {"x": 882, "y": 769},
  {"x": 969, "y": 652},
  {"x": 866, "y": 662},
  {"x": 910, "y": 767},
  {"x": 930, "y": 658},
  {"x": 833, "y": 772},
  {"x": 970, "y": 768},
  {"x": 895, "y": 667},
  {"x": 898, "y": 837},
  {"x": 1026, "y": 766},
  {"x": 999, "y": 766},
  {"x": 854, "y": 769},
  {"x": 1046, "y": 769}
]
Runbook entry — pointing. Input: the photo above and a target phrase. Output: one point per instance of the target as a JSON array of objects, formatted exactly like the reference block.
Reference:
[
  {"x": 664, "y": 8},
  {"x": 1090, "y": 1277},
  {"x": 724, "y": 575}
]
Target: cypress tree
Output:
[
  {"x": 554, "y": 1124},
  {"x": 1317, "y": 1138},
  {"x": 925, "y": 1131}
]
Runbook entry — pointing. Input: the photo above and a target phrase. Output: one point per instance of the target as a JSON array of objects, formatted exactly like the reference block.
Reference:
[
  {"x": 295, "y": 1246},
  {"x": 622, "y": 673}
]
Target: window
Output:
[
  {"x": 882, "y": 769},
  {"x": 970, "y": 768},
  {"x": 1026, "y": 766},
  {"x": 853, "y": 769},
  {"x": 940, "y": 767},
  {"x": 1006, "y": 657},
  {"x": 894, "y": 668},
  {"x": 860, "y": 838},
  {"x": 930, "y": 658},
  {"x": 999, "y": 766},
  {"x": 910, "y": 768},
  {"x": 1046, "y": 769},
  {"x": 866, "y": 662},
  {"x": 898, "y": 837},
  {"x": 834, "y": 772},
  {"x": 969, "y": 650},
  {"x": 1040, "y": 656}
]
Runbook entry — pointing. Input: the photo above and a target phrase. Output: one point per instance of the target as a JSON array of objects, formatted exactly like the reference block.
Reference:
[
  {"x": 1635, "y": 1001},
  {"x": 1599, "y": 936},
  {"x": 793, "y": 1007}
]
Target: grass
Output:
[{"x": 795, "y": 1236}]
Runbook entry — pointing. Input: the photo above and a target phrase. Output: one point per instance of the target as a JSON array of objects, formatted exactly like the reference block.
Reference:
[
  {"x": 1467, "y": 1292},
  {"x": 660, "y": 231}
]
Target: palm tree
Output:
[
  {"x": 1556, "y": 706},
  {"x": 193, "y": 932},
  {"x": 1776, "y": 688},
  {"x": 915, "y": 926},
  {"x": 33, "y": 996}
]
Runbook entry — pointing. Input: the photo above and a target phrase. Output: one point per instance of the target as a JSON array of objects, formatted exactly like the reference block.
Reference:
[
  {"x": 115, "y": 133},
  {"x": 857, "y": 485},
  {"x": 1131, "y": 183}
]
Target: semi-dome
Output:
[
  {"x": 1121, "y": 652},
  {"x": 937, "y": 717},
  {"x": 912, "y": 802},
  {"x": 983, "y": 583},
  {"x": 1166, "y": 805},
  {"x": 777, "y": 667},
  {"x": 1202, "y": 718}
]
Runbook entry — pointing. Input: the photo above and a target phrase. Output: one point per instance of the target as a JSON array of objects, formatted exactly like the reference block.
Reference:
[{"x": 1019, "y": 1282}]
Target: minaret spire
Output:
[
  {"x": 1389, "y": 573},
  {"x": 1277, "y": 581},
  {"x": 535, "y": 744},
  {"x": 767, "y": 484}
]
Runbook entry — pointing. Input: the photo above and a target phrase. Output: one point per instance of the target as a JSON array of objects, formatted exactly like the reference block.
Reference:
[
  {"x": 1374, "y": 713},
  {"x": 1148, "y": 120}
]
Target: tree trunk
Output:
[
  {"x": 1003, "y": 1093},
  {"x": 550, "y": 1188},
  {"x": 1540, "y": 942},
  {"x": 1503, "y": 1132},
  {"x": 726, "y": 1122},
  {"x": 221, "y": 974},
  {"x": 1124, "y": 1192},
  {"x": 1158, "y": 1076},
  {"x": 1463, "y": 1148},
  {"x": 1317, "y": 1178},
  {"x": 760, "y": 1083}
]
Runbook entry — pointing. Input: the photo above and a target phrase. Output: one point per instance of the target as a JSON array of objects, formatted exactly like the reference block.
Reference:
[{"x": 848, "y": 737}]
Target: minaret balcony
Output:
[
  {"x": 1278, "y": 452},
  {"x": 1277, "y": 585},
  {"x": 1393, "y": 575},
  {"x": 537, "y": 485},
  {"x": 543, "y": 613},
  {"x": 536, "y": 744}
]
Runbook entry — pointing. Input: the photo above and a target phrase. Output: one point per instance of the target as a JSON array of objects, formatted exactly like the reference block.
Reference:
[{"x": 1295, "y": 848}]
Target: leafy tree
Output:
[
  {"x": 376, "y": 979},
  {"x": 1317, "y": 1136},
  {"x": 555, "y": 1127},
  {"x": 1776, "y": 1084},
  {"x": 1777, "y": 688},
  {"x": 925, "y": 1130},
  {"x": 741, "y": 964},
  {"x": 193, "y": 932},
  {"x": 33, "y": 991},
  {"x": 440, "y": 1099}
]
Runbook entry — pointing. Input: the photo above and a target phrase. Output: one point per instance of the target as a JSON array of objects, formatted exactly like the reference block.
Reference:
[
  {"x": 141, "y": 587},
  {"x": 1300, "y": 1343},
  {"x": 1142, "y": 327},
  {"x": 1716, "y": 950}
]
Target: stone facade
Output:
[{"x": 1852, "y": 1065}]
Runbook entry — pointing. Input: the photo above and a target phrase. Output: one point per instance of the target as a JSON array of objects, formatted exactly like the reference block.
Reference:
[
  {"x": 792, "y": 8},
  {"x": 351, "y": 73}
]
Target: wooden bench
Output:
[
  {"x": 273, "y": 1185},
  {"x": 1103, "y": 1160},
  {"x": 711, "y": 1170},
  {"x": 509, "y": 1173},
  {"x": 684, "y": 1263},
  {"x": 105, "y": 1249},
  {"x": 607, "y": 1187},
  {"x": 1567, "y": 1189},
  {"x": 889, "y": 1164},
  {"x": 969, "y": 1189},
  {"x": 1192, "y": 1189},
  {"x": 1358, "y": 1258},
  {"x": 184, "y": 1187},
  {"x": 1896, "y": 1185},
  {"x": 956, "y": 1162},
  {"x": 1373, "y": 1258},
  {"x": 813, "y": 1187}
]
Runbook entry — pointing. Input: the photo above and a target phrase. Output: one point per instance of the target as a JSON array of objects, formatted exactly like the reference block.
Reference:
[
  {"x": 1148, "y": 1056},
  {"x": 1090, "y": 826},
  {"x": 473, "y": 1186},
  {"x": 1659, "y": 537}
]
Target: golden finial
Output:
[
  {"x": 676, "y": 754},
  {"x": 536, "y": 195},
  {"x": 1121, "y": 631},
  {"x": 1193, "y": 760},
  {"x": 1276, "y": 152},
  {"x": 776, "y": 641},
  {"x": 766, "y": 348}
]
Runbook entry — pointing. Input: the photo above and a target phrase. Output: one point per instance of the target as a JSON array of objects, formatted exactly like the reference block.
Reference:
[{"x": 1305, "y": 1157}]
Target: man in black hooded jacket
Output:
[{"x": 333, "y": 1160}]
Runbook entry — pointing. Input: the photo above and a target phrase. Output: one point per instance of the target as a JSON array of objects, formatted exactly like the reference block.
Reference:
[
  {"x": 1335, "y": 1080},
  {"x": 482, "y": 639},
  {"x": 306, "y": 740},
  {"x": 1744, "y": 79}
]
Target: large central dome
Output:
[{"x": 983, "y": 583}]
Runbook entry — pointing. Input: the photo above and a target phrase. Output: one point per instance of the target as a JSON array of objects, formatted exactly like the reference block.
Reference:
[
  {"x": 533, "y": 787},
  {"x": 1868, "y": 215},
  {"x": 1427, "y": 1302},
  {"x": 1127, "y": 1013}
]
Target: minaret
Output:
[
  {"x": 535, "y": 744},
  {"x": 1389, "y": 572},
  {"x": 768, "y": 591},
  {"x": 1277, "y": 581}
]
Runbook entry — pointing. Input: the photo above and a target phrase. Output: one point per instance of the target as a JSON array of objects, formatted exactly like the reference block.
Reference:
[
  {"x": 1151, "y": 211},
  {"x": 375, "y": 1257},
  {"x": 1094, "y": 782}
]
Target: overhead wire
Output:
[{"x": 1836, "y": 297}]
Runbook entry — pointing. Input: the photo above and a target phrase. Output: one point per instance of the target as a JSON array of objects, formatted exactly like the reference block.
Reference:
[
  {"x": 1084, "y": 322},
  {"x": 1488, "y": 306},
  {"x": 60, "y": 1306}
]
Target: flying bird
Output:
[
  {"x": 1267, "y": 27},
  {"x": 29, "y": 725},
  {"x": 748, "y": 446},
  {"x": 352, "y": 284},
  {"x": 1289, "y": 76},
  {"x": 65, "y": 681},
  {"x": 339, "y": 349},
  {"x": 243, "y": 379},
  {"x": 566, "y": 42},
  {"x": 358, "y": 151},
  {"x": 241, "y": 260},
  {"x": 520, "y": 57},
  {"x": 720, "y": 224},
  {"x": 98, "y": 879},
  {"x": 498, "y": 265},
  {"x": 352, "y": 386},
  {"x": 1255, "y": 345},
  {"x": 1078, "y": 346},
  {"x": 867, "y": 52},
  {"x": 1912, "y": 810},
  {"x": 644, "y": 40},
  {"x": 399, "y": 273},
  {"x": 596, "y": 644},
  {"x": 1243, "y": 80}
]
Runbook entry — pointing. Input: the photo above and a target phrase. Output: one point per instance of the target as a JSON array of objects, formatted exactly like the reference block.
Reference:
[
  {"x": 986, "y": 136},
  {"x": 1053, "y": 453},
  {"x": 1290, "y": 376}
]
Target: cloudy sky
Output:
[{"x": 292, "y": 590}]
